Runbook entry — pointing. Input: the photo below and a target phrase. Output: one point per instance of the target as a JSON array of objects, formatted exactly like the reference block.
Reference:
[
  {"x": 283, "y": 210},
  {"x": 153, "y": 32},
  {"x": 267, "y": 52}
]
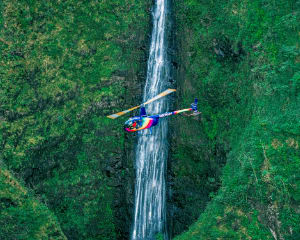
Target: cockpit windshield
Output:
[
  {"x": 133, "y": 124},
  {"x": 130, "y": 124}
]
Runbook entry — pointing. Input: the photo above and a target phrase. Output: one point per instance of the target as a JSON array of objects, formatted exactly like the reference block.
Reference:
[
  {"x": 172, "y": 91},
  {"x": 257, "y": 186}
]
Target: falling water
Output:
[{"x": 151, "y": 153}]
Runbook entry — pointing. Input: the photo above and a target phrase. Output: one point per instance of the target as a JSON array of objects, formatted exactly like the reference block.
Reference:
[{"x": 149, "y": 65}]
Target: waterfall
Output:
[{"x": 152, "y": 150}]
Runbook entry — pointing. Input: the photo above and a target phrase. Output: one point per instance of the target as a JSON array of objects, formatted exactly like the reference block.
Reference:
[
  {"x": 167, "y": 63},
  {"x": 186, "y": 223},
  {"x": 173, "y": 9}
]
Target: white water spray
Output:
[{"x": 152, "y": 151}]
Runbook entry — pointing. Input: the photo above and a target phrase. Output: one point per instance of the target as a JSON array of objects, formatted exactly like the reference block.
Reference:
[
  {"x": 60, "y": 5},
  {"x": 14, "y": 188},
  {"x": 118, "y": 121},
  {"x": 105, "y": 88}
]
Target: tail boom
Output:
[
  {"x": 174, "y": 112},
  {"x": 193, "y": 108}
]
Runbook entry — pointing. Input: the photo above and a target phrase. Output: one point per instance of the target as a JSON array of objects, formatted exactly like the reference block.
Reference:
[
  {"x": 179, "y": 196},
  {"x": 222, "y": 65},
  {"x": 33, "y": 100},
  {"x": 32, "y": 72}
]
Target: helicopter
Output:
[{"x": 141, "y": 122}]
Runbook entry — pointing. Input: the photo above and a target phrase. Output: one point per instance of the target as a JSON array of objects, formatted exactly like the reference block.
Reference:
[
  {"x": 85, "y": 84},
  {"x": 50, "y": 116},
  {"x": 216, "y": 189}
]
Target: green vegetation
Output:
[
  {"x": 22, "y": 216},
  {"x": 65, "y": 65},
  {"x": 241, "y": 59},
  {"x": 66, "y": 171}
]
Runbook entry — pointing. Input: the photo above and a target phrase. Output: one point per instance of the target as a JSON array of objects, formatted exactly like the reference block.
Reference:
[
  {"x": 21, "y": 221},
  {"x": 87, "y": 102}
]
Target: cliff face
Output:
[
  {"x": 23, "y": 216},
  {"x": 66, "y": 171},
  {"x": 237, "y": 166},
  {"x": 65, "y": 65}
]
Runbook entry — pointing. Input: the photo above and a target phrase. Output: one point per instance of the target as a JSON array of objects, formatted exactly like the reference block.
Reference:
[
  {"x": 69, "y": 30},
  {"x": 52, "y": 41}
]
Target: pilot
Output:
[{"x": 133, "y": 125}]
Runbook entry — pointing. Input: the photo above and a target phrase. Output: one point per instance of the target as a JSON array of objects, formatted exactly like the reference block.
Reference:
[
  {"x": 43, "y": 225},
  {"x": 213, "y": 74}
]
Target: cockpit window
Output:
[
  {"x": 133, "y": 124},
  {"x": 130, "y": 124}
]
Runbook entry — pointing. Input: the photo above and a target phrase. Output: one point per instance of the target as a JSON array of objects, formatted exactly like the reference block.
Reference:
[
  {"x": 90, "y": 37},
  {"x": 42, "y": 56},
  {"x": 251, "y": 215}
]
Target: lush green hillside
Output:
[
  {"x": 23, "y": 216},
  {"x": 241, "y": 58},
  {"x": 65, "y": 65},
  {"x": 66, "y": 171}
]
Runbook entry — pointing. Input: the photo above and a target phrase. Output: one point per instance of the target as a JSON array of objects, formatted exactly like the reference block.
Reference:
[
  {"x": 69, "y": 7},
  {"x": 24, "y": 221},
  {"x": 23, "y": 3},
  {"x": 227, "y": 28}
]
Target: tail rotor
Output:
[{"x": 194, "y": 106}]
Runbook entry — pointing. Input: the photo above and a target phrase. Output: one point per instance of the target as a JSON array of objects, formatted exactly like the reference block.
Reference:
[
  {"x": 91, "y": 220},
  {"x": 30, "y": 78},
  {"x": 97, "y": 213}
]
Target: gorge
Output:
[{"x": 68, "y": 172}]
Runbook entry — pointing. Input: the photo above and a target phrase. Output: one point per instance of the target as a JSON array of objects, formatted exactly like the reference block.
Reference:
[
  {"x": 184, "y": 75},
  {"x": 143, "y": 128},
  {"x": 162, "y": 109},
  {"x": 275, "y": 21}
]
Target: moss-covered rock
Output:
[
  {"x": 21, "y": 215},
  {"x": 240, "y": 58},
  {"x": 65, "y": 65}
]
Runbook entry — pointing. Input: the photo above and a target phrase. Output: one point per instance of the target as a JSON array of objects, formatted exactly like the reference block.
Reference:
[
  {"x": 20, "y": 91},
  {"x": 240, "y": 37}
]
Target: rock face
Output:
[
  {"x": 195, "y": 160},
  {"x": 22, "y": 215},
  {"x": 66, "y": 65},
  {"x": 233, "y": 173}
]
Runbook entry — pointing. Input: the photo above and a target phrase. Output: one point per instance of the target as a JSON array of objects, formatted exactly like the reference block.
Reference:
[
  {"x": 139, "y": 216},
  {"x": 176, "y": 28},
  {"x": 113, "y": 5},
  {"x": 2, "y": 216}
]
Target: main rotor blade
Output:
[
  {"x": 115, "y": 115},
  {"x": 164, "y": 93}
]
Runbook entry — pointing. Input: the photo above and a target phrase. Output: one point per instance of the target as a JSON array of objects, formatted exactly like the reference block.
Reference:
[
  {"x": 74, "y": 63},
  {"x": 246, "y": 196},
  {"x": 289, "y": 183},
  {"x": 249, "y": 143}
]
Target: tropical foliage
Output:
[
  {"x": 66, "y": 171},
  {"x": 241, "y": 58},
  {"x": 64, "y": 66}
]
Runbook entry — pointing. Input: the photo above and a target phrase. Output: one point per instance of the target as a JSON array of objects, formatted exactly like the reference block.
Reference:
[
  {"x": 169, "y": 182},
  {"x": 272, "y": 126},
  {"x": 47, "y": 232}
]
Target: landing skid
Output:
[{"x": 195, "y": 113}]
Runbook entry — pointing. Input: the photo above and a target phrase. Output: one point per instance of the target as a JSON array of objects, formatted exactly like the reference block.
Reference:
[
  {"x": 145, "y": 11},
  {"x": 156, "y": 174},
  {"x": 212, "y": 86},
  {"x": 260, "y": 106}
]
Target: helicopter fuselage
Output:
[
  {"x": 140, "y": 123},
  {"x": 143, "y": 121}
]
